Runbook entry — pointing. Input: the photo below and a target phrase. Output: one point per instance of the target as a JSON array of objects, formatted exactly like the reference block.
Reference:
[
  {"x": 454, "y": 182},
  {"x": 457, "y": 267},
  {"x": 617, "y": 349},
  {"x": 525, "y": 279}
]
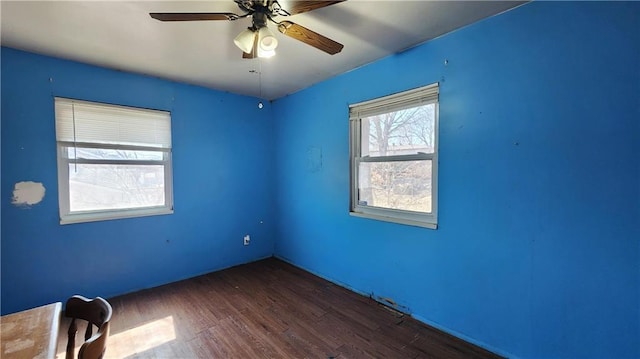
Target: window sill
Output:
[
  {"x": 107, "y": 216},
  {"x": 408, "y": 222}
]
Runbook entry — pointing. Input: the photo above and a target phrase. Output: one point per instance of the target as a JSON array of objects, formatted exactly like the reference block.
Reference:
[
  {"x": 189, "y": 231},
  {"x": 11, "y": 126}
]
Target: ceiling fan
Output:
[{"x": 257, "y": 40}]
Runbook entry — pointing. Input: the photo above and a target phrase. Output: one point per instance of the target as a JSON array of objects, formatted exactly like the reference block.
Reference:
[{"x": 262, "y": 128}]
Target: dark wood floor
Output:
[{"x": 267, "y": 309}]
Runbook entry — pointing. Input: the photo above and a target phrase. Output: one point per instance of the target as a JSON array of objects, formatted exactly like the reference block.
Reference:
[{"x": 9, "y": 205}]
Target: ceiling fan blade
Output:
[
  {"x": 297, "y": 7},
  {"x": 310, "y": 37},
  {"x": 193, "y": 16}
]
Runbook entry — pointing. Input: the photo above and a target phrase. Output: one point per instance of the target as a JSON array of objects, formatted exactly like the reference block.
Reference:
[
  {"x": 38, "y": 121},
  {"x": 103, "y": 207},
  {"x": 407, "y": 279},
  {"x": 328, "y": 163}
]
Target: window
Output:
[
  {"x": 113, "y": 161},
  {"x": 394, "y": 157}
]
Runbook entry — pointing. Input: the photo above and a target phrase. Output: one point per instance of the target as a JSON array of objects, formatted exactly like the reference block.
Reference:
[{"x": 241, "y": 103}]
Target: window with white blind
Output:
[
  {"x": 394, "y": 157},
  {"x": 113, "y": 161}
]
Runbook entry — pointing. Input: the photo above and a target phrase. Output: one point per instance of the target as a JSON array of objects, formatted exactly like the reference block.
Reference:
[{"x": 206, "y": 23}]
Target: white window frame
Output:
[
  {"x": 63, "y": 161},
  {"x": 399, "y": 101}
]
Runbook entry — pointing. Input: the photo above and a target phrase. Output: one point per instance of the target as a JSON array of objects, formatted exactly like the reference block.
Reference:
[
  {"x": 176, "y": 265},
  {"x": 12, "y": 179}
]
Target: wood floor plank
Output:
[{"x": 267, "y": 309}]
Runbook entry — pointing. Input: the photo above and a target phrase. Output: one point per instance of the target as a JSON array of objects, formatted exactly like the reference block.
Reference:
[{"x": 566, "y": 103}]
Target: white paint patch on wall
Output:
[{"x": 27, "y": 193}]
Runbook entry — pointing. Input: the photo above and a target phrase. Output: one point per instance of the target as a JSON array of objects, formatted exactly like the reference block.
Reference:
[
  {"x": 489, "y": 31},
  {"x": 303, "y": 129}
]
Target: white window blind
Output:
[
  {"x": 92, "y": 123},
  {"x": 394, "y": 102}
]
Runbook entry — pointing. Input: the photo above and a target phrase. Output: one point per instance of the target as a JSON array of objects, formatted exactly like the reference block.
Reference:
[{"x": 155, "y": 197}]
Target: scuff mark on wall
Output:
[{"x": 27, "y": 193}]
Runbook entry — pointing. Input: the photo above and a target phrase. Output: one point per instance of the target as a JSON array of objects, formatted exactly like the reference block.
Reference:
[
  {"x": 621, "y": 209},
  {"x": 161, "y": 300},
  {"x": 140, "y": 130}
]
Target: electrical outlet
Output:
[{"x": 247, "y": 239}]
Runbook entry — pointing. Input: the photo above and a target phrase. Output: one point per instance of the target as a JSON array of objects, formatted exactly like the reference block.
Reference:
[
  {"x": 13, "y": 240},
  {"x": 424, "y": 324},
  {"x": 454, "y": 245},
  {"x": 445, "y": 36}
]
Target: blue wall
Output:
[
  {"x": 222, "y": 175},
  {"x": 537, "y": 250}
]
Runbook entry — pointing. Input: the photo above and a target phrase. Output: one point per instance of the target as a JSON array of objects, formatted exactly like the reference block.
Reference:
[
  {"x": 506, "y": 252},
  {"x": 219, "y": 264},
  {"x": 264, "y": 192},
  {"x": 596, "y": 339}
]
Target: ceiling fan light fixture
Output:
[
  {"x": 266, "y": 40},
  {"x": 244, "y": 40}
]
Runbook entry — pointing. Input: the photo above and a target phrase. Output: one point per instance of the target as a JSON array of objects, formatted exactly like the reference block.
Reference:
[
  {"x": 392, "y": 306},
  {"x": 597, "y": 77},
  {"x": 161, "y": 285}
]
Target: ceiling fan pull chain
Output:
[{"x": 260, "y": 76}]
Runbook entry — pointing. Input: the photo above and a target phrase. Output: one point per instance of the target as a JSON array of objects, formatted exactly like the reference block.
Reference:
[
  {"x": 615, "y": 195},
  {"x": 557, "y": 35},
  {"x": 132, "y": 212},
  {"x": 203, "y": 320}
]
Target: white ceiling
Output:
[{"x": 121, "y": 35}]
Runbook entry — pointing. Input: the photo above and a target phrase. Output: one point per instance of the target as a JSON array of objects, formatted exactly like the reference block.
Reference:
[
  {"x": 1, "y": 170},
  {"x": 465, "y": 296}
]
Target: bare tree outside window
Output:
[
  {"x": 402, "y": 185},
  {"x": 115, "y": 186}
]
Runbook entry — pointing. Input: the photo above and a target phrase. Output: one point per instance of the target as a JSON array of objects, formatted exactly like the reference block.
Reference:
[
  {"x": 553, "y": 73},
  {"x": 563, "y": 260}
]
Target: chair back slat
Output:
[{"x": 71, "y": 342}]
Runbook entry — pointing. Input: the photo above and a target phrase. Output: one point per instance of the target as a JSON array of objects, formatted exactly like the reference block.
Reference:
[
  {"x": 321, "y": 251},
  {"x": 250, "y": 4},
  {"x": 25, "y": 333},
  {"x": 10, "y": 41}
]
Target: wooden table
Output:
[{"x": 32, "y": 333}]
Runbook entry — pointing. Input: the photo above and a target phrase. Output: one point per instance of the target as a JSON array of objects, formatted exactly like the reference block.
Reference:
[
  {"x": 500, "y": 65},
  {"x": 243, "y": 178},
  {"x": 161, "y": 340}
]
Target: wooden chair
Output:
[{"x": 96, "y": 312}]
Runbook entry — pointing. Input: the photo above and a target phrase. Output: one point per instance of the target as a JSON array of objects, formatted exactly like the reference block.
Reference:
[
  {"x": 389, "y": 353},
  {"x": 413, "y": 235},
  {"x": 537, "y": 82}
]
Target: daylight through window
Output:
[
  {"x": 394, "y": 157},
  {"x": 113, "y": 161}
]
